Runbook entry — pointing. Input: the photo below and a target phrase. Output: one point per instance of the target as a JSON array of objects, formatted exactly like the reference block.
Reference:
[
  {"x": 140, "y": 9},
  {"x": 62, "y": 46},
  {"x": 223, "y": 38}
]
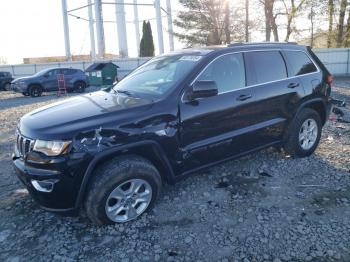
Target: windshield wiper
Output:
[{"x": 125, "y": 92}]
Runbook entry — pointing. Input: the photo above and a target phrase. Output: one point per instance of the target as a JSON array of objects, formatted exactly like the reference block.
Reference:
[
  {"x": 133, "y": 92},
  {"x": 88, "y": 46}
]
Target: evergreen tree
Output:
[
  {"x": 146, "y": 44},
  {"x": 210, "y": 22}
]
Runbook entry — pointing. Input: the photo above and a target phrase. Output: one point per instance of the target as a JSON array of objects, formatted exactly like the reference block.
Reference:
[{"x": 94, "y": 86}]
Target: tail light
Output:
[
  {"x": 329, "y": 82},
  {"x": 330, "y": 79}
]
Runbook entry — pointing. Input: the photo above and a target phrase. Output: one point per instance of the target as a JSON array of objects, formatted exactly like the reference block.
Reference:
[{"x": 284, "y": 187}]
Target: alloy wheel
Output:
[
  {"x": 308, "y": 134},
  {"x": 128, "y": 200}
]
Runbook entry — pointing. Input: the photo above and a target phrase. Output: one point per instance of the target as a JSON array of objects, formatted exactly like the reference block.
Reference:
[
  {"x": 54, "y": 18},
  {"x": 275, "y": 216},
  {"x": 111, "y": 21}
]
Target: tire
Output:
[
  {"x": 35, "y": 91},
  {"x": 7, "y": 87},
  {"x": 301, "y": 128},
  {"x": 79, "y": 87},
  {"x": 119, "y": 175},
  {"x": 25, "y": 93}
]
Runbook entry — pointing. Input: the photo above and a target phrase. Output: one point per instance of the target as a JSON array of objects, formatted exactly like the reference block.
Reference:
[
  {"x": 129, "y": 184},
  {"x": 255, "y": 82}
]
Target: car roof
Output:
[{"x": 238, "y": 47}]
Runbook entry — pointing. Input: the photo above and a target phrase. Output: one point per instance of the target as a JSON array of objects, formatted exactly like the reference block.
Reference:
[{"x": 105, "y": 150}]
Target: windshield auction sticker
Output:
[{"x": 193, "y": 58}]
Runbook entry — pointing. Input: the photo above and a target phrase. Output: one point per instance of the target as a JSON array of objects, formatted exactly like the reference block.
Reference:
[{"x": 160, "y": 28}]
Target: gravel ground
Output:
[{"x": 263, "y": 207}]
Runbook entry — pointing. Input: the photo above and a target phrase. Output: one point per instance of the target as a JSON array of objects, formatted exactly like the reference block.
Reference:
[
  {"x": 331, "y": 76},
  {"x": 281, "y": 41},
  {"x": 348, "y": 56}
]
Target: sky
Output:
[{"x": 34, "y": 28}]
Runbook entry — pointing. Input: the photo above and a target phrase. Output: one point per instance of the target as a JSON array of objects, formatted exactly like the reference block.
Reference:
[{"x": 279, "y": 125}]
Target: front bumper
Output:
[
  {"x": 62, "y": 173},
  {"x": 17, "y": 88}
]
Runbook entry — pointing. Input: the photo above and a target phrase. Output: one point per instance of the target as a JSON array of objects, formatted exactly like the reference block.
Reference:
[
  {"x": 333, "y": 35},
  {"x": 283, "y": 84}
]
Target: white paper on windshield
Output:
[{"x": 193, "y": 58}]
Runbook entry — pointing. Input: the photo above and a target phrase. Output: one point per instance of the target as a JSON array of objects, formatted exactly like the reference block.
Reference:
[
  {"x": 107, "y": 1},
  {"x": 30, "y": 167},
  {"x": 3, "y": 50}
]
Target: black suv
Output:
[
  {"x": 110, "y": 151},
  {"x": 47, "y": 81},
  {"x": 5, "y": 80}
]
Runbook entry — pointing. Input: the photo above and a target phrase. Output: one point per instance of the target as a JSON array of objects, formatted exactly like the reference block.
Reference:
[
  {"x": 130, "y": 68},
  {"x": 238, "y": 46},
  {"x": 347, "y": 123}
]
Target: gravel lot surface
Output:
[{"x": 263, "y": 207}]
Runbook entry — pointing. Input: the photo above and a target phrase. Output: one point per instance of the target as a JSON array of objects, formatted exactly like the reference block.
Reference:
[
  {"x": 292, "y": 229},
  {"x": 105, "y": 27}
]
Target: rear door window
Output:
[
  {"x": 300, "y": 63},
  {"x": 68, "y": 71},
  {"x": 268, "y": 66}
]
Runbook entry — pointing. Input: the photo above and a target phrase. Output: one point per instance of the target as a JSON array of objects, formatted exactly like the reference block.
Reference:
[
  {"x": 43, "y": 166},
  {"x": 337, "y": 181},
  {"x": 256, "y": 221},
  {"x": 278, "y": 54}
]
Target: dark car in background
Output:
[
  {"x": 5, "y": 80},
  {"x": 47, "y": 81},
  {"x": 111, "y": 151}
]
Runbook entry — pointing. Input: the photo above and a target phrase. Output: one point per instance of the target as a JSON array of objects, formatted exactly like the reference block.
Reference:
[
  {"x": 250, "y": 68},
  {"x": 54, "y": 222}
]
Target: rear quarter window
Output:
[
  {"x": 268, "y": 66},
  {"x": 300, "y": 63}
]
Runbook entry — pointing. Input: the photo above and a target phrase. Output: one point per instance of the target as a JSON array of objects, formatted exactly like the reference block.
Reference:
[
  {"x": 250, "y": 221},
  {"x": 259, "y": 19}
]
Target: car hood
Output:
[
  {"x": 25, "y": 78},
  {"x": 63, "y": 120}
]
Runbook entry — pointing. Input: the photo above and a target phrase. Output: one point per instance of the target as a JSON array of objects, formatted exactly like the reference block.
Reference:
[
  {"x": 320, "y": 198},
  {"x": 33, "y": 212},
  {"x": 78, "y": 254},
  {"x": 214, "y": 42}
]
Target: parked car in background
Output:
[
  {"x": 5, "y": 80},
  {"x": 46, "y": 81},
  {"x": 111, "y": 151}
]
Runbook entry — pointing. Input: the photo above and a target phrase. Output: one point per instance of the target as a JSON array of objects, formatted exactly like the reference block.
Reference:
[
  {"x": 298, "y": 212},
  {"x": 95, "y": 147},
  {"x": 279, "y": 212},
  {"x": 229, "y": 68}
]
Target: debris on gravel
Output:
[{"x": 264, "y": 207}]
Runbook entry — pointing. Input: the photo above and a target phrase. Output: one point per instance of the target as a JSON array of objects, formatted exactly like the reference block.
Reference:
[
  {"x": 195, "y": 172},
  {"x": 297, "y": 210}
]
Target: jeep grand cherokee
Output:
[{"x": 111, "y": 151}]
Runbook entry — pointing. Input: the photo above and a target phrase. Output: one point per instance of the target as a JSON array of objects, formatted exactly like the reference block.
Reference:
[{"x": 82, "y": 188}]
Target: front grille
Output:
[{"x": 24, "y": 144}]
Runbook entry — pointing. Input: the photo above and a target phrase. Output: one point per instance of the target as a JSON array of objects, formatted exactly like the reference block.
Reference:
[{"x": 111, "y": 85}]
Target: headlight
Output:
[
  {"x": 51, "y": 148},
  {"x": 22, "y": 84}
]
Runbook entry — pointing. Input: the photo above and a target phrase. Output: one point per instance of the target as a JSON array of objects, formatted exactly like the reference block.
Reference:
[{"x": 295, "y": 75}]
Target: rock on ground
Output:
[{"x": 263, "y": 207}]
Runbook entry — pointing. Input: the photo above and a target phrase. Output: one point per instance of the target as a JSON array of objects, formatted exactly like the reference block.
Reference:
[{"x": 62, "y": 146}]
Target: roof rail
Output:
[{"x": 261, "y": 43}]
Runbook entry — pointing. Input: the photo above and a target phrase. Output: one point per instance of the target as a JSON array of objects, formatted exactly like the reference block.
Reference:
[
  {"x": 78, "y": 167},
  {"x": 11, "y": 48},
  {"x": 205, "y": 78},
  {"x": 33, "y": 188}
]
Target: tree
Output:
[
  {"x": 210, "y": 22},
  {"x": 270, "y": 20},
  {"x": 312, "y": 21},
  {"x": 347, "y": 34},
  {"x": 3, "y": 60},
  {"x": 292, "y": 9},
  {"x": 146, "y": 44},
  {"x": 340, "y": 34},
  {"x": 227, "y": 23},
  {"x": 330, "y": 22}
]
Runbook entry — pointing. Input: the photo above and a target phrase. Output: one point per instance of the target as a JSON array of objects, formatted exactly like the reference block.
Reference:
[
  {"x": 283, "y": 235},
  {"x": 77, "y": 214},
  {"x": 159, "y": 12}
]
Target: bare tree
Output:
[
  {"x": 247, "y": 20},
  {"x": 340, "y": 34},
  {"x": 3, "y": 60},
  {"x": 292, "y": 11},
  {"x": 330, "y": 22},
  {"x": 227, "y": 23},
  {"x": 270, "y": 20},
  {"x": 347, "y": 33},
  {"x": 312, "y": 21}
]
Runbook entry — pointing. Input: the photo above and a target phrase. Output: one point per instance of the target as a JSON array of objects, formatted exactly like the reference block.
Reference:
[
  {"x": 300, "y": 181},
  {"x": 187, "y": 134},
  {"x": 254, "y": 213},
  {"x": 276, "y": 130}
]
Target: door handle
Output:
[
  {"x": 293, "y": 85},
  {"x": 244, "y": 97}
]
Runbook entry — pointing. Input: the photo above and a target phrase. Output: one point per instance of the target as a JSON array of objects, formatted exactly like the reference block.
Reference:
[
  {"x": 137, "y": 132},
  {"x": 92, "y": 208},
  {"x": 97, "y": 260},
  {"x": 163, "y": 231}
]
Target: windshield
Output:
[
  {"x": 158, "y": 75},
  {"x": 42, "y": 72}
]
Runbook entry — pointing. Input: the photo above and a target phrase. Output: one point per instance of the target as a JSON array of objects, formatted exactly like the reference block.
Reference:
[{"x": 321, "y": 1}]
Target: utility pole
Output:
[
  {"x": 159, "y": 26},
  {"x": 137, "y": 26},
  {"x": 66, "y": 30},
  {"x": 92, "y": 31},
  {"x": 170, "y": 25},
  {"x": 99, "y": 29},
  {"x": 121, "y": 28},
  {"x": 247, "y": 20}
]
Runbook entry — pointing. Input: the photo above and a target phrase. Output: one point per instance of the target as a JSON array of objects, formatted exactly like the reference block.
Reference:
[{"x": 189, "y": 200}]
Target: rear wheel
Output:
[
  {"x": 304, "y": 133},
  {"x": 122, "y": 190},
  {"x": 79, "y": 87},
  {"x": 35, "y": 91}
]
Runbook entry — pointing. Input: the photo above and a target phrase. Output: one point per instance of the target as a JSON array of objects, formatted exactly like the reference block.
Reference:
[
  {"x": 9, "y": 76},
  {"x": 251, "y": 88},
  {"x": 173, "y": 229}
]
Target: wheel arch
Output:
[
  {"x": 149, "y": 150},
  {"x": 79, "y": 81},
  {"x": 36, "y": 84},
  {"x": 318, "y": 105}
]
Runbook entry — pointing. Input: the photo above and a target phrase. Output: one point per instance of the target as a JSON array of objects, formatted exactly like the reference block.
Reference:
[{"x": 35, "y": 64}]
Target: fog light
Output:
[{"x": 44, "y": 185}]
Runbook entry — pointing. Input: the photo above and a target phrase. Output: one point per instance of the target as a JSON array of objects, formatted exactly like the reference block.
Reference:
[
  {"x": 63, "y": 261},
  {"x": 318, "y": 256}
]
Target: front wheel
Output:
[
  {"x": 122, "y": 190},
  {"x": 35, "y": 91},
  {"x": 304, "y": 133}
]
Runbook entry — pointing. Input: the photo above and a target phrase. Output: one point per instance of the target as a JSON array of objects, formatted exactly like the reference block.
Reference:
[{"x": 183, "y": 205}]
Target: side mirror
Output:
[{"x": 204, "y": 88}]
